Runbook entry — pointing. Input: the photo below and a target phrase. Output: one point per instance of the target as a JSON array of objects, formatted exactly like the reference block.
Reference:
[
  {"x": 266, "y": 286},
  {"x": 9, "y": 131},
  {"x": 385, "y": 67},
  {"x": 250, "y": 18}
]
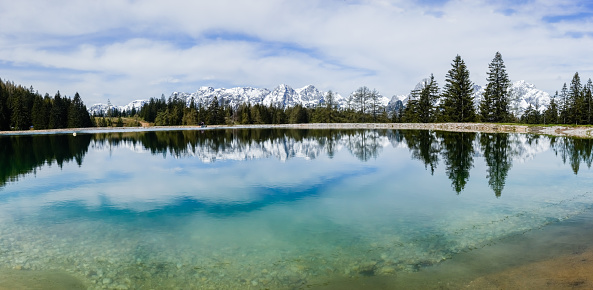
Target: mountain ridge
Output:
[{"x": 521, "y": 95}]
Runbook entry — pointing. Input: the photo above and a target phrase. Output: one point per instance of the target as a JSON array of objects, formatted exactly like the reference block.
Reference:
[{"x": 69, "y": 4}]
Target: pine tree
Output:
[
  {"x": 410, "y": 112},
  {"x": 458, "y": 102},
  {"x": 576, "y": 100},
  {"x": 190, "y": 114},
  {"x": 76, "y": 113},
  {"x": 4, "y": 110},
  {"x": 17, "y": 119},
  {"x": 495, "y": 105},
  {"x": 215, "y": 115},
  {"x": 56, "y": 117},
  {"x": 39, "y": 114},
  {"x": 329, "y": 107},
  {"x": 551, "y": 113},
  {"x": 564, "y": 105},
  {"x": 588, "y": 92},
  {"x": 428, "y": 97}
]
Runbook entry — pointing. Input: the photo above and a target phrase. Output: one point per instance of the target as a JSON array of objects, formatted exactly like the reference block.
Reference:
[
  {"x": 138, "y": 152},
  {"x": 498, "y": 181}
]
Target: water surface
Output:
[{"x": 272, "y": 208}]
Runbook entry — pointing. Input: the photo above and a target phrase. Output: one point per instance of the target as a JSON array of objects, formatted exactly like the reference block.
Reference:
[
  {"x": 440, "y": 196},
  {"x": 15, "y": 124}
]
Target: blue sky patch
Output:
[{"x": 576, "y": 17}]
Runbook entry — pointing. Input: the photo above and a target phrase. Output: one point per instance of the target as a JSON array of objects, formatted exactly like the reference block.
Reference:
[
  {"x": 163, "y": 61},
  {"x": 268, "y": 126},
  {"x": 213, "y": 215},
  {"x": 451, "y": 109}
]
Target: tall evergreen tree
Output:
[
  {"x": 330, "y": 107},
  {"x": 77, "y": 114},
  {"x": 564, "y": 105},
  {"x": 458, "y": 102},
  {"x": 576, "y": 100},
  {"x": 17, "y": 120},
  {"x": 215, "y": 114},
  {"x": 39, "y": 114},
  {"x": 190, "y": 114},
  {"x": 551, "y": 113},
  {"x": 56, "y": 117},
  {"x": 410, "y": 112},
  {"x": 495, "y": 104},
  {"x": 4, "y": 109},
  {"x": 428, "y": 97},
  {"x": 588, "y": 93}
]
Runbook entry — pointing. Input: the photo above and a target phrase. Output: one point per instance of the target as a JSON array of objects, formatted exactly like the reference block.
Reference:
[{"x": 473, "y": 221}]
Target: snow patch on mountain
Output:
[{"x": 521, "y": 95}]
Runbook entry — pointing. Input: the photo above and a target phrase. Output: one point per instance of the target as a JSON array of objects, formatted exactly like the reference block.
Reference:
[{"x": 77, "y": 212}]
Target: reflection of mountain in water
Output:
[
  {"x": 21, "y": 155},
  {"x": 217, "y": 145}
]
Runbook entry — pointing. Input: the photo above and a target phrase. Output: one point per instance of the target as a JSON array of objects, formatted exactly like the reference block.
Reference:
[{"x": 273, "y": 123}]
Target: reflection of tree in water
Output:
[
  {"x": 457, "y": 150},
  {"x": 497, "y": 153},
  {"x": 21, "y": 155},
  {"x": 574, "y": 151},
  {"x": 364, "y": 144},
  {"x": 424, "y": 146},
  {"x": 288, "y": 142}
]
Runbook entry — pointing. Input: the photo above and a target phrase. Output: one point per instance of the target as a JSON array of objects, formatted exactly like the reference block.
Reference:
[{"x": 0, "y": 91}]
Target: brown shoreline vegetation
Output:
[{"x": 554, "y": 130}]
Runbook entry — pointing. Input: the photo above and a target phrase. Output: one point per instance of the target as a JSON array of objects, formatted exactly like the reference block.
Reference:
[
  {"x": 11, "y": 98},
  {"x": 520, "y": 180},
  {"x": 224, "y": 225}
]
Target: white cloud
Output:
[{"x": 126, "y": 50}]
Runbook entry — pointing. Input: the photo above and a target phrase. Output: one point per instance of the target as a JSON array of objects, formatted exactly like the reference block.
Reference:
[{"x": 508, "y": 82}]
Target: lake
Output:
[{"x": 285, "y": 208}]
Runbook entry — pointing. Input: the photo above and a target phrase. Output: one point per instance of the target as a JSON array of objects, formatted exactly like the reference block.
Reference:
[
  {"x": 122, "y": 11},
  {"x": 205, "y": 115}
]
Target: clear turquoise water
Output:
[{"x": 239, "y": 209}]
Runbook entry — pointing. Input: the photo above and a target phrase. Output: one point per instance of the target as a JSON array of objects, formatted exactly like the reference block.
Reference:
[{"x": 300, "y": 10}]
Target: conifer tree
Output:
[
  {"x": 76, "y": 113},
  {"x": 410, "y": 112},
  {"x": 17, "y": 120},
  {"x": 56, "y": 117},
  {"x": 588, "y": 93},
  {"x": 495, "y": 104},
  {"x": 428, "y": 97},
  {"x": 551, "y": 113},
  {"x": 39, "y": 114},
  {"x": 564, "y": 105},
  {"x": 329, "y": 107},
  {"x": 4, "y": 112},
  {"x": 576, "y": 102},
  {"x": 458, "y": 102},
  {"x": 190, "y": 114},
  {"x": 215, "y": 115}
]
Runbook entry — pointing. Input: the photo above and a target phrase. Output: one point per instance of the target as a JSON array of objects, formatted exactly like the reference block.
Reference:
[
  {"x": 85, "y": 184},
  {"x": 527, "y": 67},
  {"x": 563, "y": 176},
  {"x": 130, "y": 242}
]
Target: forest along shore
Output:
[{"x": 569, "y": 131}]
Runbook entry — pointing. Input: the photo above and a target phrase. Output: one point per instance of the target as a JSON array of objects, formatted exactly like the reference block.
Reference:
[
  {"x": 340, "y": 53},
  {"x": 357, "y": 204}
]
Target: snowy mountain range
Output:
[{"x": 522, "y": 94}]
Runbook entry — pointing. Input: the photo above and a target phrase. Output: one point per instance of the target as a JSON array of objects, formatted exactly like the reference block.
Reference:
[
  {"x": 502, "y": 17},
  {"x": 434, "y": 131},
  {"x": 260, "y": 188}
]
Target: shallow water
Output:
[{"x": 239, "y": 209}]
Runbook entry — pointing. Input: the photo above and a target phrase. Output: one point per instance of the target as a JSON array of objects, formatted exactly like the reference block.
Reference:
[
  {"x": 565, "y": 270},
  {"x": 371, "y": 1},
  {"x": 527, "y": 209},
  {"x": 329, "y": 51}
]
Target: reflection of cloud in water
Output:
[
  {"x": 207, "y": 171},
  {"x": 526, "y": 147},
  {"x": 154, "y": 182}
]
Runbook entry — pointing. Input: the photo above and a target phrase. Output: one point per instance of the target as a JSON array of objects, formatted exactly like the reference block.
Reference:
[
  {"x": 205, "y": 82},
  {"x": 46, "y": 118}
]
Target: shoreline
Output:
[{"x": 560, "y": 131}]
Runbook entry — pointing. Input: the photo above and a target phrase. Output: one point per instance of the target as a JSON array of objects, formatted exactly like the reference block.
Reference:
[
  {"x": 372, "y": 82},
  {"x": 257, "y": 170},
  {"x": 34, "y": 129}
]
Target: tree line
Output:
[
  {"x": 364, "y": 107},
  {"x": 574, "y": 105},
  {"x": 23, "y": 108}
]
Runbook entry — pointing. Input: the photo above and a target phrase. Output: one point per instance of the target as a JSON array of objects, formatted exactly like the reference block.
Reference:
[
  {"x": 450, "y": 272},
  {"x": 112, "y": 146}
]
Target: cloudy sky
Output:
[{"x": 126, "y": 50}]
